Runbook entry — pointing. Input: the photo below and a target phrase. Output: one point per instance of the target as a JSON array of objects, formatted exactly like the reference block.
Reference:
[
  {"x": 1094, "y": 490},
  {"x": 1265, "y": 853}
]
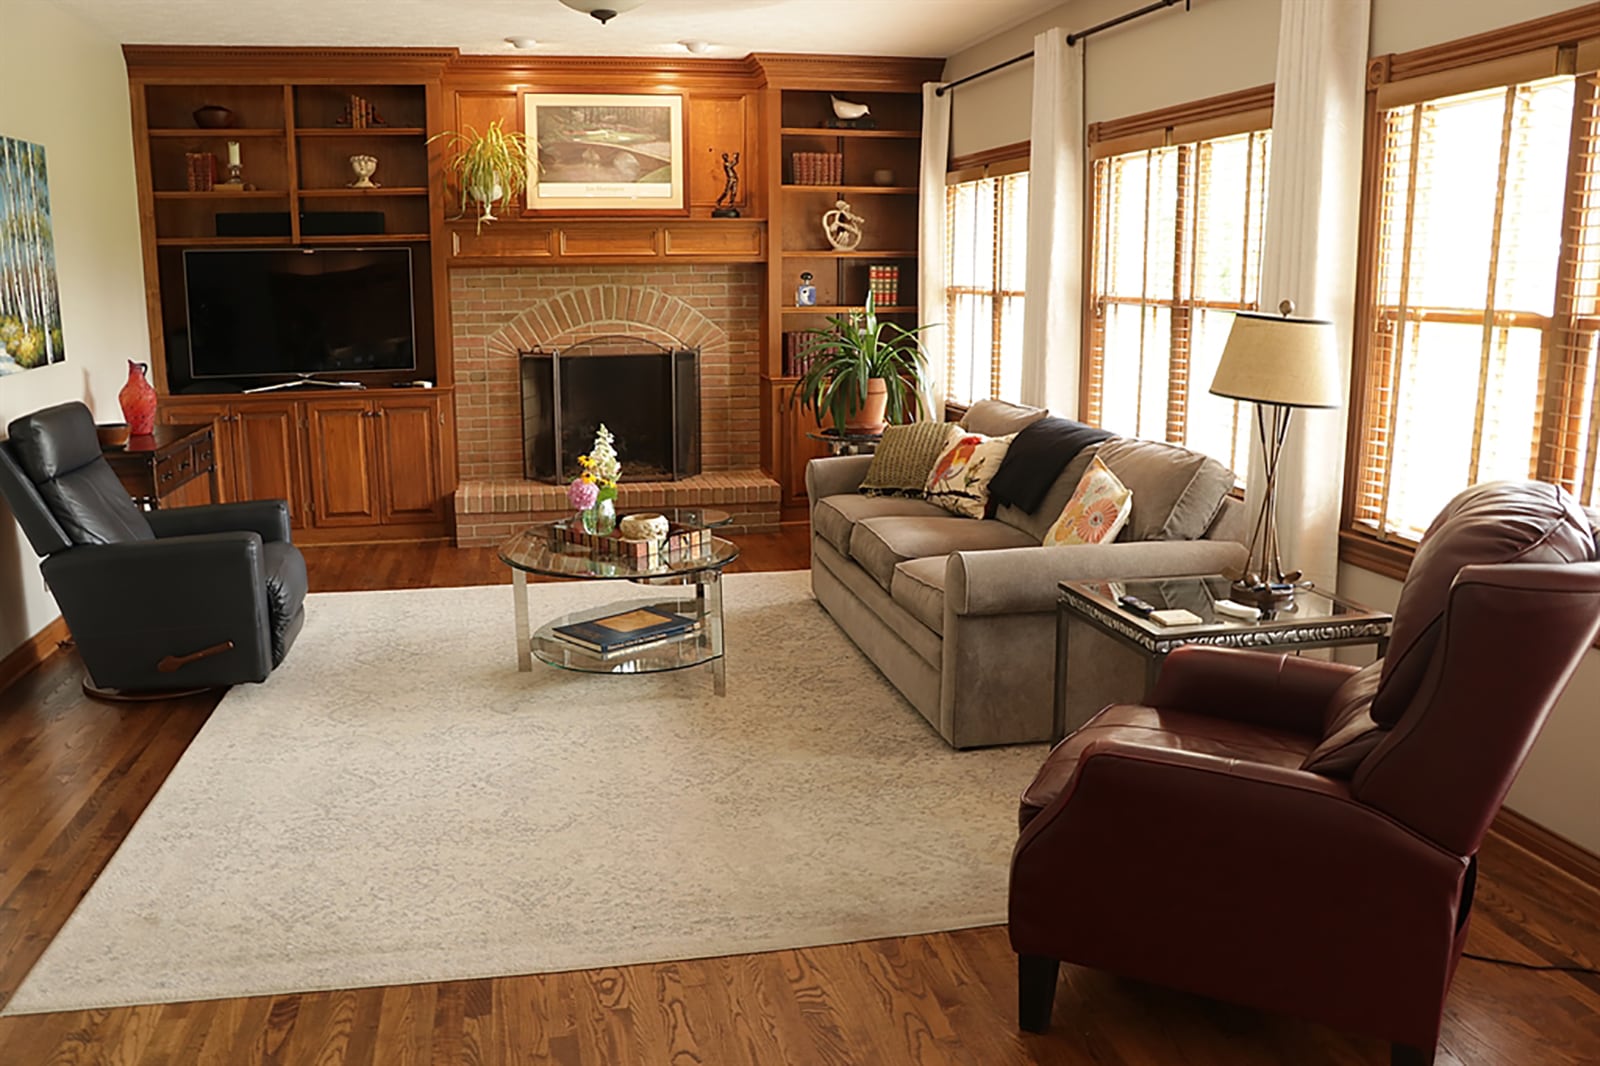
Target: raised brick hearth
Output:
[{"x": 499, "y": 311}]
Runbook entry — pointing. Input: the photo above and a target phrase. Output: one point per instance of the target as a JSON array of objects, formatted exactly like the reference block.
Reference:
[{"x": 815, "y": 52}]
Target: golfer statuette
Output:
[{"x": 730, "y": 191}]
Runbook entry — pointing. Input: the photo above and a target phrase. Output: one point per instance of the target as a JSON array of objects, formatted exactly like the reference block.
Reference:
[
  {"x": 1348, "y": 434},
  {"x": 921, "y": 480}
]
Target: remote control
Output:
[
  {"x": 1236, "y": 610},
  {"x": 1135, "y": 605}
]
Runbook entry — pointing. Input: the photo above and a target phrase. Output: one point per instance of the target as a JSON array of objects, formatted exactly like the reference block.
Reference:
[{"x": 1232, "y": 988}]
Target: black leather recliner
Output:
[{"x": 188, "y": 597}]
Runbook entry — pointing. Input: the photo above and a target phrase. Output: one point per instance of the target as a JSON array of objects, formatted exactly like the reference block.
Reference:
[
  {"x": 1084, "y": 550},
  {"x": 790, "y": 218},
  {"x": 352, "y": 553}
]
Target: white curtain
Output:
[
  {"x": 1052, "y": 313},
  {"x": 1309, "y": 254},
  {"x": 931, "y": 242}
]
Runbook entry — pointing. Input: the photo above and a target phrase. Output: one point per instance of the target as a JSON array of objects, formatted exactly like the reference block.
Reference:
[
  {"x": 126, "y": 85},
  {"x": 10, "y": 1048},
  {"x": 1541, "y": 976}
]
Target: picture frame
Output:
[{"x": 610, "y": 152}]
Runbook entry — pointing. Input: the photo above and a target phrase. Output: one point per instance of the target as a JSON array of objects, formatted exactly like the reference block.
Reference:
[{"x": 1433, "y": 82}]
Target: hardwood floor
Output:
[{"x": 75, "y": 775}]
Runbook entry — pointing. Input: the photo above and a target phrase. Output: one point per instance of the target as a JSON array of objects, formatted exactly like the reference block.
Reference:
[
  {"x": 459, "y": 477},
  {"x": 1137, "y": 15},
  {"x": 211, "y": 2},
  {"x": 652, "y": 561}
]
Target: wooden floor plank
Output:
[{"x": 76, "y": 774}]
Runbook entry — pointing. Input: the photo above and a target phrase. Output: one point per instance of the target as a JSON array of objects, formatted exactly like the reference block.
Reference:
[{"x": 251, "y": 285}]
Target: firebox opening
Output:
[{"x": 647, "y": 394}]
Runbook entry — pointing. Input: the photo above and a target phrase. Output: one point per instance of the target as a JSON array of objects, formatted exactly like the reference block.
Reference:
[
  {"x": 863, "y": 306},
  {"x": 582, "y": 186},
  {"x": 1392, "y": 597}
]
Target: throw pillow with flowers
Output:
[{"x": 1098, "y": 510}]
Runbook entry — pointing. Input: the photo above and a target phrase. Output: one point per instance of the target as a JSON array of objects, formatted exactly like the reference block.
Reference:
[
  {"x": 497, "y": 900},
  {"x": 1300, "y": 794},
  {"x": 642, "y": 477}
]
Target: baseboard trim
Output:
[
  {"x": 33, "y": 651},
  {"x": 1553, "y": 848}
]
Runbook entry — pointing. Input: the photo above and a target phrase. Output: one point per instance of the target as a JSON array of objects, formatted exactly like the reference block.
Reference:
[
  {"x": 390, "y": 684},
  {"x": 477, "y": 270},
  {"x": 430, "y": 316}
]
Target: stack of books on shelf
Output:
[
  {"x": 883, "y": 279},
  {"x": 627, "y": 632},
  {"x": 818, "y": 168},
  {"x": 360, "y": 115},
  {"x": 794, "y": 363},
  {"x": 202, "y": 171}
]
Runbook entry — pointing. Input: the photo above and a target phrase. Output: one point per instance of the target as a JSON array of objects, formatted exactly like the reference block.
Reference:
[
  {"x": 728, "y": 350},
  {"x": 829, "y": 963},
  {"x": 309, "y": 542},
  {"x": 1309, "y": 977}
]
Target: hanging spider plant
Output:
[
  {"x": 490, "y": 167},
  {"x": 855, "y": 361}
]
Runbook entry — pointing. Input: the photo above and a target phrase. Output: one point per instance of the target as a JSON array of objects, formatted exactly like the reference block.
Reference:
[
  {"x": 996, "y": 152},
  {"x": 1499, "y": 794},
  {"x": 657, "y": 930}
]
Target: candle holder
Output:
[{"x": 235, "y": 169}]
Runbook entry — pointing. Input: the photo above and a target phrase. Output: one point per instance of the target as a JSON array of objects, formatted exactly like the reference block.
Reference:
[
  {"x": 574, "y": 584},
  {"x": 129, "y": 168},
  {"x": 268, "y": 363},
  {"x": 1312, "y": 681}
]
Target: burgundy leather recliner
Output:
[{"x": 1301, "y": 836}]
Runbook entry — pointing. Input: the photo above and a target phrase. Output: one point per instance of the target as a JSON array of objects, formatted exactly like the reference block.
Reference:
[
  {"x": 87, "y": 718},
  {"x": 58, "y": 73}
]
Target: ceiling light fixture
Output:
[
  {"x": 521, "y": 42},
  {"x": 602, "y": 11},
  {"x": 699, "y": 48}
]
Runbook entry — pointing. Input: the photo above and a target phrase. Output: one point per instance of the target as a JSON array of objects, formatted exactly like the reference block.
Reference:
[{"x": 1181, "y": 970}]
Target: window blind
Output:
[
  {"x": 986, "y": 270},
  {"x": 1479, "y": 362},
  {"x": 1175, "y": 248}
]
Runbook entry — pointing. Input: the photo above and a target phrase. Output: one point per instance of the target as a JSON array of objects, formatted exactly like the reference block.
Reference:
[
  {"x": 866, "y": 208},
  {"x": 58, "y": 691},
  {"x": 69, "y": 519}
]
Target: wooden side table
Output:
[
  {"x": 159, "y": 470},
  {"x": 1106, "y": 654}
]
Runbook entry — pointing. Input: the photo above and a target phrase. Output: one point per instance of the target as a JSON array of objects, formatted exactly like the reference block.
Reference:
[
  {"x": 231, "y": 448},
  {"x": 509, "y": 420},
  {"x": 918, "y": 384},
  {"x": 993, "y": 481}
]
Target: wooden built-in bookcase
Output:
[
  {"x": 799, "y": 105},
  {"x": 381, "y": 463}
]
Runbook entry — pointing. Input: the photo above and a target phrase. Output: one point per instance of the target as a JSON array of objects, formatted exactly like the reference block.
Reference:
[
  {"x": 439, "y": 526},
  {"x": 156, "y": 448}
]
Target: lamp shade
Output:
[
  {"x": 602, "y": 10},
  {"x": 1274, "y": 359}
]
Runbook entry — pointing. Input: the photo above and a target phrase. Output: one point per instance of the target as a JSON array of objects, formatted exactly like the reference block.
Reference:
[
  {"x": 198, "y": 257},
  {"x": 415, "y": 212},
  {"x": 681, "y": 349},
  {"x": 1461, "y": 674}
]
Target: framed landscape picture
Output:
[
  {"x": 30, "y": 306},
  {"x": 604, "y": 152}
]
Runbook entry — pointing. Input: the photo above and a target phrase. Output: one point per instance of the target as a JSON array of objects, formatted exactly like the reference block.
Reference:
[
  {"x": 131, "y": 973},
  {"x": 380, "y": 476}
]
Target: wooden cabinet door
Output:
[
  {"x": 264, "y": 452},
  {"x": 409, "y": 459},
  {"x": 795, "y": 449},
  {"x": 344, "y": 488},
  {"x": 175, "y": 412}
]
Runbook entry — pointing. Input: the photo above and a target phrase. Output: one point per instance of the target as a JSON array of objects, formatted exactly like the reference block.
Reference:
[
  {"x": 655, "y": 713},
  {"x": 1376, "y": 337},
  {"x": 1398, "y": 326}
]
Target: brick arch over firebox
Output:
[{"x": 599, "y": 310}]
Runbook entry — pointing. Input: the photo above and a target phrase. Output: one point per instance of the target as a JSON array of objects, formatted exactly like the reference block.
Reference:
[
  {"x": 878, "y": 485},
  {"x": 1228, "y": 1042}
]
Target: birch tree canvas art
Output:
[{"x": 30, "y": 307}]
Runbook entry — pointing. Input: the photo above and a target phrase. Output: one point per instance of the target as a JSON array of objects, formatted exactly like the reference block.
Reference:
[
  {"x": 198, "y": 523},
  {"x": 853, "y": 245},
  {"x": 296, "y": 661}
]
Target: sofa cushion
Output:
[
  {"x": 1176, "y": 492},
  {"x": 918, "y": 586},
  {"x": 881, "y": 544},
  {"x": 835, "y": 517},
  {"x": 1037, "y": 523},
  {"x": 904, "y": 458},
  {"x": 996, "y": 418}
]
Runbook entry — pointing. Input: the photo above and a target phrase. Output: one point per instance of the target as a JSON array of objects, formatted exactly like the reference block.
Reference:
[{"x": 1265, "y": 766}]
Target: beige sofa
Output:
[{"x": 959, "y": 613}]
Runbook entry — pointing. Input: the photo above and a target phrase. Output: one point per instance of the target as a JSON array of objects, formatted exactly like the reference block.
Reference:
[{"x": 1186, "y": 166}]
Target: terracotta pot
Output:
[
  {"x": 138, "y": 400},
  {"x": 869, "y": 417}
]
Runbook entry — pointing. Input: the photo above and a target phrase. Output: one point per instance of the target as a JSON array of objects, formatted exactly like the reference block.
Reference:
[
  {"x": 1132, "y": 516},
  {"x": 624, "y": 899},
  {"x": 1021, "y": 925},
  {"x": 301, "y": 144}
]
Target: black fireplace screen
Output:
[{"x": 646, "y": 394}]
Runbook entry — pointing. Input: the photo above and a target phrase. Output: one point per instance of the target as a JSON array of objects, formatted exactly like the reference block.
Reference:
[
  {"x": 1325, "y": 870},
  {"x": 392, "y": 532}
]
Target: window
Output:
[
  {"x": 1481, "y": 342},
  {"x": 1176, "y": 250},
  {"x": 986, "y": 256}
]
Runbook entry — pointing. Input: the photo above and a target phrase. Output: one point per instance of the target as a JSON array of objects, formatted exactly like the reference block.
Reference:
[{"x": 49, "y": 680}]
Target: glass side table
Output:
[{"x": 1106, "y": 654}]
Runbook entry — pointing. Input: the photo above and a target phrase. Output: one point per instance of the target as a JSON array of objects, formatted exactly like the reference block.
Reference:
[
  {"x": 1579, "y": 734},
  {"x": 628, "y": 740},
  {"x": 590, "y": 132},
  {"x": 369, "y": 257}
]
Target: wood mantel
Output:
[{"x": 510, "y": 242}]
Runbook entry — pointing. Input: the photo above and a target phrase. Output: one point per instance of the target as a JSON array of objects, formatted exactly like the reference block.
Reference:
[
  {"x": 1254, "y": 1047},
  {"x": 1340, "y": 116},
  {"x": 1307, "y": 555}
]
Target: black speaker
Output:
[
  {"x": 312, "y": 224},
  {"x": 340, "y": 223},
  {"x": 253, "y": 224}
]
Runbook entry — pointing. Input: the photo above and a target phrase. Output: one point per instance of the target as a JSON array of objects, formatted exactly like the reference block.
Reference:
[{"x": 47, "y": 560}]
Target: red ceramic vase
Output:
[{"x": 138, "y": 400}]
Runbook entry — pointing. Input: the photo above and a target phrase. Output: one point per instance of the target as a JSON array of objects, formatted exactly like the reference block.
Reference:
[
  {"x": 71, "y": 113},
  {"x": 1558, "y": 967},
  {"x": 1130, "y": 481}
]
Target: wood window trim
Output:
[
  {"x": 989, "y": 163},
  {"x": 1520, "y": 50},
  {"x": 1196, "y": 120}
]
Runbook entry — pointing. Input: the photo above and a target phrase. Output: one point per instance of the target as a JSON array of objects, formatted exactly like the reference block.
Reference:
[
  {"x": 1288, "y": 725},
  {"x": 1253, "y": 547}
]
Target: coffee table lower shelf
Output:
[{"x": 696, "y": 648}]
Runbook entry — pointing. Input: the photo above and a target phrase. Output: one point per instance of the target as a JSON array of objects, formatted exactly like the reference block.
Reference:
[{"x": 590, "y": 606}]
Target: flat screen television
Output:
[{"x": 279, "y": 312}]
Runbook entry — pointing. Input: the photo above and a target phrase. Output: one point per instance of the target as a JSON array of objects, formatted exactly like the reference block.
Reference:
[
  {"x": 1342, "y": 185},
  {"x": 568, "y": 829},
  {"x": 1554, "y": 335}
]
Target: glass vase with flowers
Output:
[{"x": 593, "y": 493}]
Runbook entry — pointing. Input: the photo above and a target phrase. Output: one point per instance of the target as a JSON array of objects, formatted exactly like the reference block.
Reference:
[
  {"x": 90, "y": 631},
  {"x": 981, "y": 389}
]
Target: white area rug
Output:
[{"x": 398, "y": 804}]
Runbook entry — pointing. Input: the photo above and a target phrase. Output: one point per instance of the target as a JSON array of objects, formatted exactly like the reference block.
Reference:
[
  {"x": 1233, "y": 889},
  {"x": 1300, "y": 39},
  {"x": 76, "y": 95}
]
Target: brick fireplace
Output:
[{"x": 498, "y": 312}]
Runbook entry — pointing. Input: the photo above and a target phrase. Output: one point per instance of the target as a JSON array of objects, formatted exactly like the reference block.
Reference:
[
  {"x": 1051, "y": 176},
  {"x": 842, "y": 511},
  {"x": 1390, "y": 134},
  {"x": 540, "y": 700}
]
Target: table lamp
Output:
[{"x": 1278, "y": 363}]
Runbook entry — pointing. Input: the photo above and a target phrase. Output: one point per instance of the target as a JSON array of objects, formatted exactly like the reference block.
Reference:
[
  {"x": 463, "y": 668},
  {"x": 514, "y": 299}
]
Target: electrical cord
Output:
[{"x": 1547, "y": 967}]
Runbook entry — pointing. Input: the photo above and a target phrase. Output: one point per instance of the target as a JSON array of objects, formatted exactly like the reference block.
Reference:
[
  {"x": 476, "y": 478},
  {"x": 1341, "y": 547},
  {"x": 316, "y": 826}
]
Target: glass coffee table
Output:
[
  {"x": 1107, "y": 654},
  {"x": 531, "y": 552}
]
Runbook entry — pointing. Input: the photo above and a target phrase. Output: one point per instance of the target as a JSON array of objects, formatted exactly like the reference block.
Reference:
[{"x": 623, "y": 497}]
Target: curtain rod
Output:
[{"x": 1072, "y": 39}]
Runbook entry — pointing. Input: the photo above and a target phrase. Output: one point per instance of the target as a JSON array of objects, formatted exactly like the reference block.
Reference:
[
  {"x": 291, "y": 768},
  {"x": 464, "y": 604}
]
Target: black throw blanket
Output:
[{"x": 1036, "y": 458}]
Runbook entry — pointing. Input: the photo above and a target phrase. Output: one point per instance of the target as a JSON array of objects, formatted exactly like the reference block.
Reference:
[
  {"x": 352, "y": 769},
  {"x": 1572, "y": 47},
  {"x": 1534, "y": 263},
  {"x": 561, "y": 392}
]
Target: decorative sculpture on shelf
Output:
[
  {"x": 842, "y": 227},
  {"x": 730, "y": 191},
  {"x": 364, "y": 166},
  {"x": 848, "y": 115}
]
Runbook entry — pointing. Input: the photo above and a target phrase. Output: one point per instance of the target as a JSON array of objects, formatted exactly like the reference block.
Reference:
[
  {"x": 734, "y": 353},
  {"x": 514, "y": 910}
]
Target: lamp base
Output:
[{"x": 1267, "y": 597}]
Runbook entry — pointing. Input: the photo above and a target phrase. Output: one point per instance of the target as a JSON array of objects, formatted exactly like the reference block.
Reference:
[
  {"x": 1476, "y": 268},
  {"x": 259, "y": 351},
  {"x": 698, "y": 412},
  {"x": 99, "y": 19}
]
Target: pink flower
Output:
[{"x": 582, "y": 494}]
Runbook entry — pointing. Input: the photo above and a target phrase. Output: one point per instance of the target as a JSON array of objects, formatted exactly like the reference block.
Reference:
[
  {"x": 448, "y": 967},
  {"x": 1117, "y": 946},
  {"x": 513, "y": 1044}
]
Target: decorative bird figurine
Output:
[{"x": 846, "y": 110}]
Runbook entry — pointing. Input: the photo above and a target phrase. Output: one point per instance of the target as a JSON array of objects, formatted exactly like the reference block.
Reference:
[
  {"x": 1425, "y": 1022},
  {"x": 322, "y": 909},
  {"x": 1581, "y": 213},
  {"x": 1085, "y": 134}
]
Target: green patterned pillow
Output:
[{"x": 904, "y": 458}]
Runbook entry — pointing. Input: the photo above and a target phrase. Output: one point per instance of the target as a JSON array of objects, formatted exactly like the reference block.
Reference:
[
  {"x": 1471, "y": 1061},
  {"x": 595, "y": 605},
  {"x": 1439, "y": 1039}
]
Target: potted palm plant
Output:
[
  {"x": 863, "y": 372},
  {"x": 490, "y": 167}
]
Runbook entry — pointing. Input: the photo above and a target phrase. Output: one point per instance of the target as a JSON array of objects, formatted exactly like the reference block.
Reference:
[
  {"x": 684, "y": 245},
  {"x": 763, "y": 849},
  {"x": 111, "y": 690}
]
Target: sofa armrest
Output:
[
  {"x": 1023, "y": 580},
  {"x": 835, "y": 475},
  {"x": 269, "y": 518}
]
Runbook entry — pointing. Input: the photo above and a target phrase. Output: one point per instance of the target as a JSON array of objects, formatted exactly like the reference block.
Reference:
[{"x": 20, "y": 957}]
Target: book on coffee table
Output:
[{"x": 626, "y": 630}]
